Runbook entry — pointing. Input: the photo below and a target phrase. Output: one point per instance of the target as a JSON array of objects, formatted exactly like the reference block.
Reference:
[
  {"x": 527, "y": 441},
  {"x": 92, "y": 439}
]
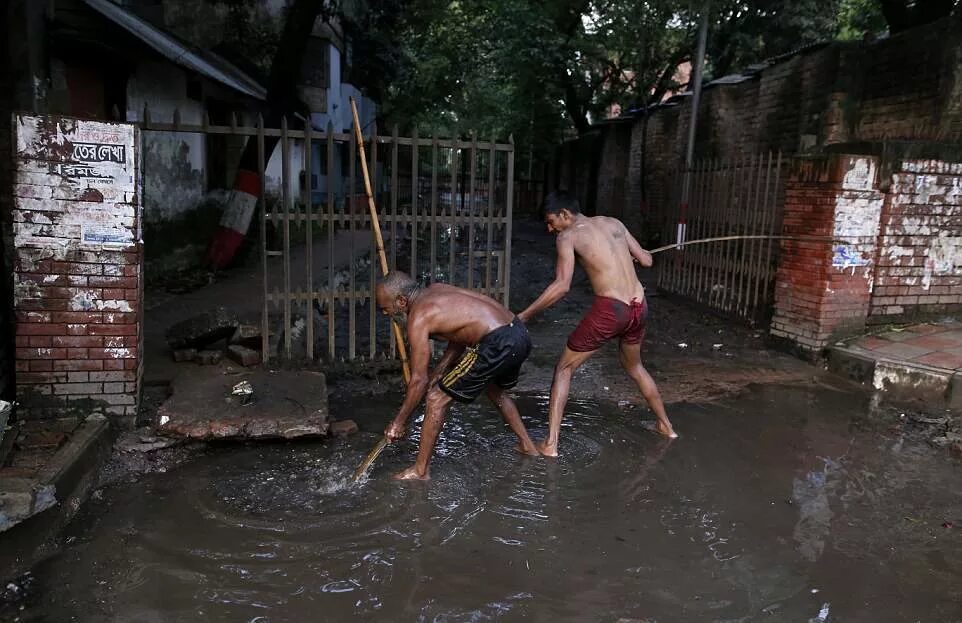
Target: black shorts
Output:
[{"x": 496, "y": 359}]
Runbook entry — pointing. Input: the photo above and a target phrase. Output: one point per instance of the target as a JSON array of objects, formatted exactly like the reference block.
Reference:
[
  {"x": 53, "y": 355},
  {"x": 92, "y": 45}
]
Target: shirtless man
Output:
[
  {"x": 487, "y": 341},
  {"x": 606, "y": 250}
]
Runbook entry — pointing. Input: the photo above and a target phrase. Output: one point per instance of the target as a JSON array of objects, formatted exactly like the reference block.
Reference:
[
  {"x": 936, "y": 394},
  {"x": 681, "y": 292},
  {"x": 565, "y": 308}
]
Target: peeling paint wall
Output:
[
  {"x": 174, "y": 162},
  {"x": 77, "y": 273},
  {"x": 920, "y": 243}
]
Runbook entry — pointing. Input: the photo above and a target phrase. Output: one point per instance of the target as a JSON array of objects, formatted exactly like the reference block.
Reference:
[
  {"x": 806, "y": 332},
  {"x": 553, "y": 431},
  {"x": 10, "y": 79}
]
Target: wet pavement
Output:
[
  {"x": 786, "y": 503},
  {"x": 937, "y": 344}
]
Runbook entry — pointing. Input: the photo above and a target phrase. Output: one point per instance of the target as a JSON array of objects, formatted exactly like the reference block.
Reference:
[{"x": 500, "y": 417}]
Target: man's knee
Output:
[
  {"x": 566, "y": 365},
  {"x": 634, "y": 369},
  {"x": 436, "y": 399}
]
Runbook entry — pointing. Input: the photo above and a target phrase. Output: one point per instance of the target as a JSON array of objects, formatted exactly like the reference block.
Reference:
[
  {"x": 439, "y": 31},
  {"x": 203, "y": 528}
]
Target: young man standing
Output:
[{"x": 606, "y": 251}]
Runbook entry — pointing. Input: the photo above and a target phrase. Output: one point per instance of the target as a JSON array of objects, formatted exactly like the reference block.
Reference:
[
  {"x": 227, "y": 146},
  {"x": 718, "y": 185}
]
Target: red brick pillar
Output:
[
  {"x": 823, "y": 289},
  {"x": 77, "y": 268}
]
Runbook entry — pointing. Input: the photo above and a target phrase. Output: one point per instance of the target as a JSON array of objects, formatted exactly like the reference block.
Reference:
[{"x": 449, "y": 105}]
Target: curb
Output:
[
  {"x": 54, "y": 497},
  {"x": 899, "y": 379}
]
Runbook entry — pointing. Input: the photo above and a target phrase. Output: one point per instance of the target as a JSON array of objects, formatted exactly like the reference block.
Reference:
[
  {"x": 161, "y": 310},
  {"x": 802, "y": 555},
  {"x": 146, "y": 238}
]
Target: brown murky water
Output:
[{"x": 786, "y": 504}]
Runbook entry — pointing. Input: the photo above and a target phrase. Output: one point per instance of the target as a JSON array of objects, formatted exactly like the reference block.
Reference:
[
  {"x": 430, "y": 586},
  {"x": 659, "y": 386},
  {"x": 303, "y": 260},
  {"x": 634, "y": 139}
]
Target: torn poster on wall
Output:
[
  {"x": 105, "y": 235},
  {"x": 76, "y": 184},
  {"x": 845, "y": 256}
]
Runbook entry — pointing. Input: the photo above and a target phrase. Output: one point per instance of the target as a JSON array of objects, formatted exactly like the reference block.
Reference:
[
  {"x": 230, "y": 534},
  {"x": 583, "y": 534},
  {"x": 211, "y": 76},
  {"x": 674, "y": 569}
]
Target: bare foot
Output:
[
  {"x": 665, "y": 429},
  {"x": 529, "y": 449},
  {"x": 411, "y": 473},
  {"x": 547, "y": 449}
]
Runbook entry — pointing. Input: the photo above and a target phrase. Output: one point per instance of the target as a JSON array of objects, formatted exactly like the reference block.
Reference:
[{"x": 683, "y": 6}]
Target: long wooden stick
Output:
[
  {"x": 379, "y": 243},
  {"x": 668, "y": 247}
]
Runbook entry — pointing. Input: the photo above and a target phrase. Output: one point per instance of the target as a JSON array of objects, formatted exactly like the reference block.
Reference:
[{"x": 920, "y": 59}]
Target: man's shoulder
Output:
[
  {"x": 440, "y": 295},
  {"x": 607, "y": 222}
]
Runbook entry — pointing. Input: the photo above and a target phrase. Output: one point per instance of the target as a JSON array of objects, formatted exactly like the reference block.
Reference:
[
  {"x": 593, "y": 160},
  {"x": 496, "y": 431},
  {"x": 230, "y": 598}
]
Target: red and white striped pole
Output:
[
  {"x": 682, "y": 222},
  {"x": 236, "y": 219}
]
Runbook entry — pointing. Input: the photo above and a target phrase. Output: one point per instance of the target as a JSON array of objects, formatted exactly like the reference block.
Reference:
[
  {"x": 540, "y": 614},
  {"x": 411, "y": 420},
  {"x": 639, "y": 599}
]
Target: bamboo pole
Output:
[
  {"x": 379, "y": 243},
  {"x": 760, "y": 237}
]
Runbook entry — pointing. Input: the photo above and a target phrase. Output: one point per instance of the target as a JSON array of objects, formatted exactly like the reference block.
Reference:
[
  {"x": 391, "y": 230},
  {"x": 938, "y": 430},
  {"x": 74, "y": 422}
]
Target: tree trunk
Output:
[
  {"x": 282, "y": 101},
  {"x": 282, "y": 97},
  {"x": 575, "y": 109},
  {"x": 900, "y": 15}
]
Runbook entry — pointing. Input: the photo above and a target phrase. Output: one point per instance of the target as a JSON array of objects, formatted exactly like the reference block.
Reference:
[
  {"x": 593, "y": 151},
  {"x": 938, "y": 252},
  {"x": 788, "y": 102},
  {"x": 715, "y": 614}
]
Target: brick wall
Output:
[
  {"x": 574, "y": 166},
  {"x": 823, "y": 289},
  {"x": 910, "y": 84},
  {"x": 613, "y": 175},
  {"x": 77, "y": 268},
  {"x": 6, "y": 244},
  {"x": 919, "y": 263}
]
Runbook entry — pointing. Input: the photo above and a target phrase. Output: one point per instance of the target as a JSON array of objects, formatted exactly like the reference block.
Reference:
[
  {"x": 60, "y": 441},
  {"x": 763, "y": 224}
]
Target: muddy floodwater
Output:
[{"x": 784, "y": 504}]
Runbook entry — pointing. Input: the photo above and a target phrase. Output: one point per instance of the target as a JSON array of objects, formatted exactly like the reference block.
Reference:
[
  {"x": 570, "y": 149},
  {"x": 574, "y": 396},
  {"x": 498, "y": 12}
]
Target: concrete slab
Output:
[
  {"x": 285, "y": 404},
  {"x": 35, "y": 508},
  {"x": 22, "y": 498},
  {"x": 870, "y": 342},
  {"x": 898, "y": 336},
  {"x": 937, "y": 341},
  {"x": 916, "y": 361},
  {"x": 941, "y": 360},
  {"x": 919, "y": 362},
  {"x": 925, "y": 329},
  {"x": 901, "y": 350}
]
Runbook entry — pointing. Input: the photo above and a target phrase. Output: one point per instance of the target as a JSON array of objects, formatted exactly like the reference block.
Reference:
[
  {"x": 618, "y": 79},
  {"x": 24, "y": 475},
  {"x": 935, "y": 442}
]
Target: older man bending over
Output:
[{"x": 486, "y": 347}]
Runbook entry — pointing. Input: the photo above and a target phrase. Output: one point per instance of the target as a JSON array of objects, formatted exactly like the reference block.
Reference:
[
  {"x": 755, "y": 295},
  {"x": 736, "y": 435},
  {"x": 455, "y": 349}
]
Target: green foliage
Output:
[
  {"x": 543, "y": 69},
  {"x": 858, "y": 18}
]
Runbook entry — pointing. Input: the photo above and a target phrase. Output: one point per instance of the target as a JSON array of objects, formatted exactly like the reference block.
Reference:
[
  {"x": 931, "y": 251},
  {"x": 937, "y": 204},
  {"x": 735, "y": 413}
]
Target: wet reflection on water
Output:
[{"x": 773, "y": 506}]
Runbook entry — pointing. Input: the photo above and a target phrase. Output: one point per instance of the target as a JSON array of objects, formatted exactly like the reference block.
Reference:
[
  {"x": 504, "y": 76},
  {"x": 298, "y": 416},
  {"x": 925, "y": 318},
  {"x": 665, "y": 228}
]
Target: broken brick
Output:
[
  {"x": 343, "y": 427},
  {"x": 209, "y": 357},
  {"x": 203, "y": 329},
  {"x": 243, "y": 355},
  {"x": 185, "y": 354},
  {"x": 246, "y": 335}
]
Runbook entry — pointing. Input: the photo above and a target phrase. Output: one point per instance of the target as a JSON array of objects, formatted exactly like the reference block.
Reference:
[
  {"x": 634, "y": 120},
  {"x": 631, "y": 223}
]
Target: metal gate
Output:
[
  {"x": 742, "y": 197},
  {"x": 444, "y": 205}
]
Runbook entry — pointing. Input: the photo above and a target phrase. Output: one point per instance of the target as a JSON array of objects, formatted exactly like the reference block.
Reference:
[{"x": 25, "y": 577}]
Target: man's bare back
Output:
[
  {"x": 603, "y": 246},
  {"x": 457, "y": 315}
]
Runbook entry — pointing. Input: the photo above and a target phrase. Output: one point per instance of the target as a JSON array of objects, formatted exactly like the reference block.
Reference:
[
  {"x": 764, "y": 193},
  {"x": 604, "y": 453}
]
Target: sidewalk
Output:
[{"x": 922, "y": 361}]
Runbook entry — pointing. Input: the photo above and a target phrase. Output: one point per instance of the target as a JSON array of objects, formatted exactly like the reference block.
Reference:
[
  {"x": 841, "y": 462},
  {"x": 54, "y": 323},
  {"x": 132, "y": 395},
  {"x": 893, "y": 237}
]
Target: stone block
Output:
[
  {"x": 246, "y": 335},
  {"x": 209, "y": 357},
  {"x": 343, "y": 427},
  {"x": 203, "y": 329},
  {"x": 224, "y": 416},
  {"x": 243, "y": 355},
  {"x": 185, "y": 354}
]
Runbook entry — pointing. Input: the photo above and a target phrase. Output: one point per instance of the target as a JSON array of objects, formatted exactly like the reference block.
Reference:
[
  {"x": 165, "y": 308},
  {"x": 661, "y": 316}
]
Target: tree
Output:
[
  {"x": 471, "y": 59},
  {"x": 282, "y": 101},
  {"x": 744, "y": 33},
  {"x": 860, "y": 18},
  {"x": 540, "y": 69},
  {"x": 904, "y": 14}
]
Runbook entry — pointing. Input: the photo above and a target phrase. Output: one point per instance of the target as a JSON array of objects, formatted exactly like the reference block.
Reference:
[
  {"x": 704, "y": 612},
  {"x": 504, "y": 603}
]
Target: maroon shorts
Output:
[{"x": 607, "y": 319}]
